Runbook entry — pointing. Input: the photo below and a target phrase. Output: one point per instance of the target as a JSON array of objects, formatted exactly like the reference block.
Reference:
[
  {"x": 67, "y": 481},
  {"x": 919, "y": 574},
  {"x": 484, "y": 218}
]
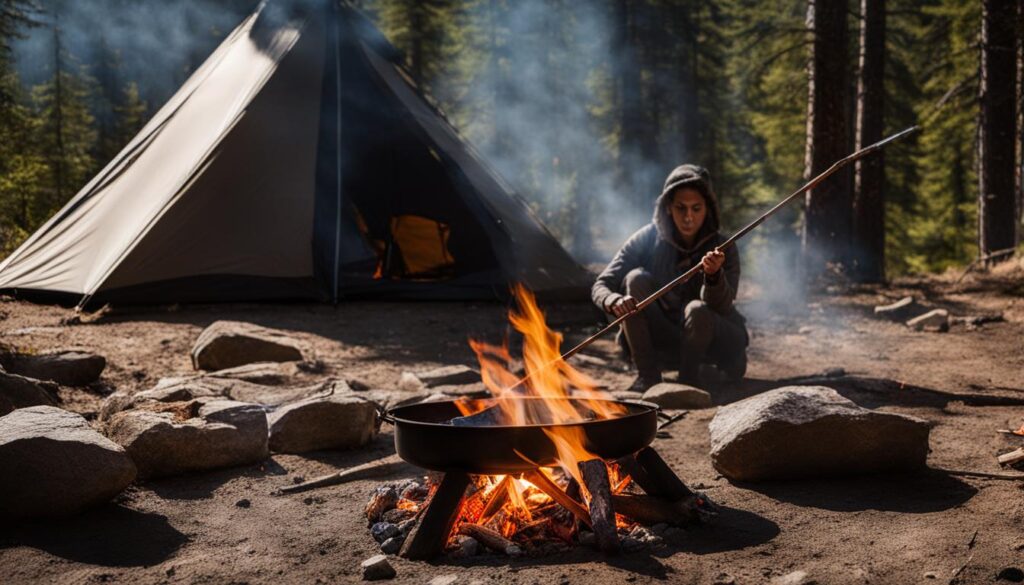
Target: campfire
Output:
[{"x": 547, "y": 462}]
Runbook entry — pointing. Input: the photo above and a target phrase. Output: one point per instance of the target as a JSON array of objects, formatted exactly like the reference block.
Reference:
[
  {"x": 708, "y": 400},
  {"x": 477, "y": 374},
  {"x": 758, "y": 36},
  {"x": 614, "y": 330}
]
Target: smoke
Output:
[{"x": 539, "y": 108}]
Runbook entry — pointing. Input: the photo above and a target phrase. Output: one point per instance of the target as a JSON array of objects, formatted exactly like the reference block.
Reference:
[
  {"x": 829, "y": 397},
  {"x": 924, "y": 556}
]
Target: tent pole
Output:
[{"x": 337, "y": 161}]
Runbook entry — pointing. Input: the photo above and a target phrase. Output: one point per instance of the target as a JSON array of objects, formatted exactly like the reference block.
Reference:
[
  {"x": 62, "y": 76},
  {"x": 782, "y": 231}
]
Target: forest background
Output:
[{"x": 585, "y": 106}]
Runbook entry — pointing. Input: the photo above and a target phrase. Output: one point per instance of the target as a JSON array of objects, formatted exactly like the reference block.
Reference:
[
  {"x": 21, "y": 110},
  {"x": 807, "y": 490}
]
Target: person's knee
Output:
[
  {"x": 639, "y": 283},
  {"x": 697, "y": 318}
]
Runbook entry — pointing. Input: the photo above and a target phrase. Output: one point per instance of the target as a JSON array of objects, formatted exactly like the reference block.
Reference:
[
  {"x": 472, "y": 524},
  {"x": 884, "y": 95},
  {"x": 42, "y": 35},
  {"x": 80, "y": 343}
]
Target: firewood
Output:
[
  {"x": 376, "y": 468},
  {"x": 491, "y": 539},
  {"x": 488, "y": 417},
  {"x": 430, "y": 534},
  {"x": 549, "y": 487},
  {"x": 651, "y": 510},
  {"x": 602, "y": 513},
  {"x": 1012, "y": 458},
  {"x": 499, "y": 495},
  {"x": 658, "y": 478}
]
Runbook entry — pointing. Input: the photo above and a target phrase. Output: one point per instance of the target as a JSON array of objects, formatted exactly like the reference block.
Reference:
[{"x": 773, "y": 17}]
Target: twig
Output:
[
  {"x": 380, "y": 466},
  {"x": 672, "y": 419},
  {"x": 984, "y": 474},
  {"x": 956, "y": 573}
]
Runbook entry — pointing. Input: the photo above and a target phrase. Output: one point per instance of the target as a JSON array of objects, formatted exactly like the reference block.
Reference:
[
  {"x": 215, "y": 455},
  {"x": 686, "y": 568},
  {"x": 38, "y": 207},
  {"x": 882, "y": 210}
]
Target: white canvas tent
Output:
[{"x": 299, "y": 161}]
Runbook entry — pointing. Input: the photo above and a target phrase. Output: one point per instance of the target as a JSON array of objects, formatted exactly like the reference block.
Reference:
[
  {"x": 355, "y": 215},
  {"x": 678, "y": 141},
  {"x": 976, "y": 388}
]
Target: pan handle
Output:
[{"x": 384, "y": 416}]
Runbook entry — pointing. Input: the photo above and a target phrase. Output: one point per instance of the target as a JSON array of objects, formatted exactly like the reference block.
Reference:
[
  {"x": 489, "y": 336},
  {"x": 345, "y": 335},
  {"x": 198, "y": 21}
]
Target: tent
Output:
[{"x": 300, "y": 161}]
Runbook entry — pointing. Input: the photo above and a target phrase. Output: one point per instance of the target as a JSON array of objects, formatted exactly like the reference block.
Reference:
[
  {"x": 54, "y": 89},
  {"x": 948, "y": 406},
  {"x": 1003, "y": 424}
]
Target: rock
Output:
[
  {"x": 468, "y": 546},
  {"x": 677, "y": 396},
  {"x": 394, "y": 398},
  {"x": 21, "y": 392},
  {"x": 443, "y": 580},
  {"x": 266, "y": 373},
  {"x": 410, "y": 383},
  {"x": 68, "y": 367},
  {"x": 475, "y": 390},
  {"x": 227, "y": 344},
  {"x": 1011, "y": 574},
  {"x": 283, "y": 395},
  {"x": 794, "y": 578},
  {"x": 630, "y": 544},
  {"x": 627, "y": 395},
  {"x": 406, "y": 527},
  {"x": 332, "y": 422},
  {"x": 812, "y": 431},
  {"x": 901, "y": 310},
  {"x": 587, "y": 538},
  {"x": 55, "y": 464},
  {"x": 724, "y": 579},
  {"x": 931, "y": 575},
  {"x": 936, "y": 320},
  {"x": 243, "y": 503},
  {"x": 222, "y": 433},
  {"x": 392, "y": 545},
  {"x": 377, "y": 567},
  {"x": 382, "y": 531},
  {"x": 397, "y": 515},
  {"x": 448, "y": 376}
]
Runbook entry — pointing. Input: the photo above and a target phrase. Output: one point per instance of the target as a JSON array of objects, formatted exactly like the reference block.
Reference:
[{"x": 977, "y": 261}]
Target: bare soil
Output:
[{"x": 883, "y": 529}]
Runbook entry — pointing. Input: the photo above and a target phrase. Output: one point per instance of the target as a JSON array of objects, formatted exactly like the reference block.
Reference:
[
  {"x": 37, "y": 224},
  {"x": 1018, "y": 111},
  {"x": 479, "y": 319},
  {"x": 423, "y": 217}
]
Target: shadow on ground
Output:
[
  {"x": 110, "y": 536},
  {"x": 930, "y": 491}
]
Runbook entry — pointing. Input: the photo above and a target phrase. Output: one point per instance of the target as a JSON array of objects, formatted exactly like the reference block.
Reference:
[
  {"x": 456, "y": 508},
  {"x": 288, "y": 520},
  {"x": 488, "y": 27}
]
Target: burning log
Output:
[
  {"x": 654, "y": 476},
  {"x": 544, "y": 484},
  {"x": 431, "y": 532},
  {"x": 602, "y": 514},
  {"x": 498, "y": 498},
  {"x": 491, "y": 539},
  {"x": 488, "y": 417}
]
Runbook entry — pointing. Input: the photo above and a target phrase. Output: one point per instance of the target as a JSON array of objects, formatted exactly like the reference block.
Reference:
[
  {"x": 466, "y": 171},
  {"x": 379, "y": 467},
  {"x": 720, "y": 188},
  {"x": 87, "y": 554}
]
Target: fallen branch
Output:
[
  {"x": 985, "y": 258},
  {"x": 364, "y": 471},
  {"x": 1011, "y": 458},
  {"x": 672, "y": 419},
  {"x": 984, "y": 474}
]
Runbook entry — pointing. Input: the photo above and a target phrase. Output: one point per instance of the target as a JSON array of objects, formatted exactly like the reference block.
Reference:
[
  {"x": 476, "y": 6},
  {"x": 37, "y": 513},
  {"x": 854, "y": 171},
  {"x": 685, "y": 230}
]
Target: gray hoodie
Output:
[{"x": 656, "y": 249}]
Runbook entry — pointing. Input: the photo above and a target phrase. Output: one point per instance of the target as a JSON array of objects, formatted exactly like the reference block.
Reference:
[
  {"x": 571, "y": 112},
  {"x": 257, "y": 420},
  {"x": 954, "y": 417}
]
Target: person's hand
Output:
[
  {"x": 623, "y": 305},
  {"x": 712, "y": 261}
]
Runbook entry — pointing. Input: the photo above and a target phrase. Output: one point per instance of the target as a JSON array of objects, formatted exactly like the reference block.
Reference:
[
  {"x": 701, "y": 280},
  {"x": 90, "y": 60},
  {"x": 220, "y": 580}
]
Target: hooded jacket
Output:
[{"x": 657, "y": 250}]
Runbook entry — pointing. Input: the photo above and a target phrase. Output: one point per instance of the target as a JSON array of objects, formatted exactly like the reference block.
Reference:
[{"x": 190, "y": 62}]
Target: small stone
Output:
[
  {"x": 931, "y": 575},
  {"x": 392, "y": 545},
  {"x": 794, "y": 578},
  {"x": 1011, "y": 574},
  {"x": 587, "y": 538},
  {"x": 396, "y": 515},
  {"x": 243, "y": 503},
  {"x": 415, "y": 491},
  {"x": 406, "y": 527},
  {"x": 443, "y": 580},
  {"x": 468, "y": 547},
  {"x": 724, "y": 579},
  {"x": 377, "y": 567},
  {"x": 677, "y": 396},
  {"x": 410, "y": 383},
  {"x": 227, "y": 344},
  {"x": 514, "y": 551},
  {"x": 631, "y": 545},
  {"x": 382, "y": 531}
]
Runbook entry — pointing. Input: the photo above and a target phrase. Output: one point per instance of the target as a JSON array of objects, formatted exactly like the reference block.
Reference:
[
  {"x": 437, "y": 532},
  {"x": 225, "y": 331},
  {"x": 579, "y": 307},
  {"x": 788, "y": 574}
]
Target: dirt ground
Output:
[{"x": 886, "y": 529}]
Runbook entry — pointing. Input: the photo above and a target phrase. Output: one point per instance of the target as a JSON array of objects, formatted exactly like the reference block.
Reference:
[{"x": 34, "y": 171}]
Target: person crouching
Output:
[{"x": 696, "y": 320}]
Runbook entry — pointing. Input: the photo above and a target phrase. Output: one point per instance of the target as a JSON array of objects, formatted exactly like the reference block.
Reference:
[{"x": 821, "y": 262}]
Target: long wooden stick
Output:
[{"x": 697, "y": 268}]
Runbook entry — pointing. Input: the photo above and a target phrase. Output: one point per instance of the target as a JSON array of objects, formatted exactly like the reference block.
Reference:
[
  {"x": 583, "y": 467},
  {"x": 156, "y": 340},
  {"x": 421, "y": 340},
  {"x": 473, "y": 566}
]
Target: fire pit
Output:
[{"x": 547, "y": 457}]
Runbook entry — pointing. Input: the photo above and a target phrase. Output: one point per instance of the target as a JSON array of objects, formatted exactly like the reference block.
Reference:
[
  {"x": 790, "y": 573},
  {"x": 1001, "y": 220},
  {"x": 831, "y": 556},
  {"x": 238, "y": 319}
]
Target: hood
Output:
[{"x": 695, "y": 177}]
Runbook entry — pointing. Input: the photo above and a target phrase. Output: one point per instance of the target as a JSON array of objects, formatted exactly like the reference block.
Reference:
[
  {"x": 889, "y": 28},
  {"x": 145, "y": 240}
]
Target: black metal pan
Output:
[{"x": 423, "y": 438}]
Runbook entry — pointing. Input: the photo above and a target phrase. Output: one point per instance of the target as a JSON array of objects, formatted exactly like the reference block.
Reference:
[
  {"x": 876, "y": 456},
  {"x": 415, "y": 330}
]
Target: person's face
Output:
[{"x": 688, "y": 212}]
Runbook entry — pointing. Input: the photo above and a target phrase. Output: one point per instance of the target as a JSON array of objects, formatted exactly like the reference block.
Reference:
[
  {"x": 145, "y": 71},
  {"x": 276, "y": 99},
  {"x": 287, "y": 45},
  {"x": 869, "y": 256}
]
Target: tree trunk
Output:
[
  {"x": 829, "y": 210},
  {"x": 58, "y": 117},
  {"x": 997, "y": 199},
  {"x": 628, "y": 90},
  {"x": 869, "y": 185}
]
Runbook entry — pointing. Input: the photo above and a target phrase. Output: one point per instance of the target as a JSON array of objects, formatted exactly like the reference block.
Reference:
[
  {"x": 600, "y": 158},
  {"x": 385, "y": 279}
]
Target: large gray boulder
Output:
[
  {"x": 228, "y": 344},
  {"x": 448, "y": 376},
  {"x": 677, "y": 396},
  {"x": 191, "y": 436},
  {"x": 69, "y": 367},
  {"x": 21, "y": 392},
  {"x": 332, "y": 422},
  {"x": 812, "y": 431},
  {"x": 54, "y": 464}
]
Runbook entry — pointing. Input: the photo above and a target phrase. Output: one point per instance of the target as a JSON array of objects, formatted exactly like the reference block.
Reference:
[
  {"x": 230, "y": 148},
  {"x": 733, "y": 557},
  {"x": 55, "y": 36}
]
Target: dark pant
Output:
[{"x": 701, "y": 335}]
